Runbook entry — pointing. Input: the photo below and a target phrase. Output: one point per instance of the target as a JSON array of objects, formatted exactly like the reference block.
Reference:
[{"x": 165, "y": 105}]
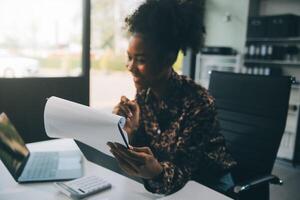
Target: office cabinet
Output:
[{"x": 207, "y": 63}]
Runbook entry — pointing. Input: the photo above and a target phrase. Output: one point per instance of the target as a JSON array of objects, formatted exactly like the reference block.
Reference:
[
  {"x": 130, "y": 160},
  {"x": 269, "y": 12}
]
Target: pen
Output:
[
  {"x": 122, "y": 134},
  {"x": 147, "y": 95}
]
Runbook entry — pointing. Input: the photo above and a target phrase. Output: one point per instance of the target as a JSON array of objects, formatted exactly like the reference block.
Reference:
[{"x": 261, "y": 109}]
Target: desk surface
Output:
[{"x": 122, "y": 187}]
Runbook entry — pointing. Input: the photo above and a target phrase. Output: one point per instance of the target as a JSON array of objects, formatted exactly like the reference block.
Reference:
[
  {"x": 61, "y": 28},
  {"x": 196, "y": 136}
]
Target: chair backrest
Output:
[{"x": 252, "y": 111}]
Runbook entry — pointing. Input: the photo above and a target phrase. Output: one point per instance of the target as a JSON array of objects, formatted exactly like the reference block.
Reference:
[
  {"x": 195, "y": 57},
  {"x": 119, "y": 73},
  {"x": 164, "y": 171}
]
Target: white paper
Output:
[{"x": 67, "y": 119}]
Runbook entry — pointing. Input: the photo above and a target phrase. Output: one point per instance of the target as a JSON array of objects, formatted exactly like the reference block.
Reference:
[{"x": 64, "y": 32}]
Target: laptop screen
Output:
[{"x": 13, "y": 151}]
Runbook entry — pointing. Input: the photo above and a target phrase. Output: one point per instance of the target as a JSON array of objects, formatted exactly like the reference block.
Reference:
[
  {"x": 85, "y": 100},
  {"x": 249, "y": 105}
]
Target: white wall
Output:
[{"x": 226, "y": 33}]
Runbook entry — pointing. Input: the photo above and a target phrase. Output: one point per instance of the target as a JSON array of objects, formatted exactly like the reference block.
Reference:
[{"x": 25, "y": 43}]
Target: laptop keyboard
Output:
[{"x": 42, "y": 165}]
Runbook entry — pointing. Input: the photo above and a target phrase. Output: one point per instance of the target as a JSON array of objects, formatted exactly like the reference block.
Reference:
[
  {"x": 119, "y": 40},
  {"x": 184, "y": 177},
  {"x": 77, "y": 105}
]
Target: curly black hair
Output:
[{"x": 173, "y": 25}]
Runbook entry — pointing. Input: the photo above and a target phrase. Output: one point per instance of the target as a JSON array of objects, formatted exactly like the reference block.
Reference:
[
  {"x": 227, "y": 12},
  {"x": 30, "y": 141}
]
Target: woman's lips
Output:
[{"x": 139, "y": 82}]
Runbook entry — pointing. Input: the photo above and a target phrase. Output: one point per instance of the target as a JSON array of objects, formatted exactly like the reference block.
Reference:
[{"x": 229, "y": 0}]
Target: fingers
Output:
[
  {"x": 122, "y": 110},
  {"x": 133, "y": 105},
  {"x": 128, "y": 167},
  {"x": 137, "y": 158},
  {"x": 124, "y": 99},
  {"x": 125, "y": 107},
  {"x": 136, "y": 154},
  {"x": 128, "y": 155},
  {"x": 146, "y": 150}
]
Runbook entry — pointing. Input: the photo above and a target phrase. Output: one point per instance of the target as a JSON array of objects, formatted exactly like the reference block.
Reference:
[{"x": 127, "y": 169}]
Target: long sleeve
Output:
[
  {"x": 199, "y": 148},
  {"x": 182, "y": 131}
]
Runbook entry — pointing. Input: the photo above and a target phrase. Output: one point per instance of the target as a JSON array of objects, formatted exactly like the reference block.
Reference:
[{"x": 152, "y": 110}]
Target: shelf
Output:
[
  {"x": 275, "y": 40},
  {"x": 273, "y": 62},
  {"x": 214, "y": 56}
]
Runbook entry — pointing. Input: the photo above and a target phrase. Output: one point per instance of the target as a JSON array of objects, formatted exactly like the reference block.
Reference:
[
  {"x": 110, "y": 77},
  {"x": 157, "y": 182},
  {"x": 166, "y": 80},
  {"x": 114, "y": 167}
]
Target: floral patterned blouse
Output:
[{"x": 182, "y": 131}]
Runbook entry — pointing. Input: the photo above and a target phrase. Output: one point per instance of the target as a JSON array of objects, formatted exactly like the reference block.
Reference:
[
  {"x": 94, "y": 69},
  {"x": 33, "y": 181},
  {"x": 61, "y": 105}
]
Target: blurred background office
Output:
[{"x": 76, "y": 49}]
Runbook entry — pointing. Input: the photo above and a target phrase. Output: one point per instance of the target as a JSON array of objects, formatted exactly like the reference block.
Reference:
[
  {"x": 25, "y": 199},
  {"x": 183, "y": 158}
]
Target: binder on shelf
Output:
[{"x": 273, "y": 26}]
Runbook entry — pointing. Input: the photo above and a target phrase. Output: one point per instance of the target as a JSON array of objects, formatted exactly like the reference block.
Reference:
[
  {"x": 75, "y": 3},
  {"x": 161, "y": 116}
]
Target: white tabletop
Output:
[{"x": 122, "y": 187}]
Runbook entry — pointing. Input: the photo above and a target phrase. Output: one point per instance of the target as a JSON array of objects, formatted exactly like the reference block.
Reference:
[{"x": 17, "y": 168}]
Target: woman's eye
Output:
[{"x": 140, "y": 60}]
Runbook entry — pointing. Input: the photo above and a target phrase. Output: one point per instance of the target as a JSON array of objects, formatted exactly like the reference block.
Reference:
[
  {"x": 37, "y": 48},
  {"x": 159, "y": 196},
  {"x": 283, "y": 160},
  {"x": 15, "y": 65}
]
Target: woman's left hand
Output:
[{"x": 136, "y": 161}]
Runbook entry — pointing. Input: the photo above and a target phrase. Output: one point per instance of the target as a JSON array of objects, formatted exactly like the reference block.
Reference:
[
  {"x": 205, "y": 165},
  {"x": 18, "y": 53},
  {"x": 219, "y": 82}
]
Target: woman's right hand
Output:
[{"x": 131, "y": 111}]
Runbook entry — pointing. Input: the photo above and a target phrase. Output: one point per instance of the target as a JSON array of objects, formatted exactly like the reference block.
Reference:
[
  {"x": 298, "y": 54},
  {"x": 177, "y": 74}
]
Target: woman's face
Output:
[{"x": 143, "y": 63}]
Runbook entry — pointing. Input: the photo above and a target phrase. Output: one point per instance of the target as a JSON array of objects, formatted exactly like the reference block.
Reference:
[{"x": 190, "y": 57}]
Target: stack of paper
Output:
[{"x": 66, "y": 119}]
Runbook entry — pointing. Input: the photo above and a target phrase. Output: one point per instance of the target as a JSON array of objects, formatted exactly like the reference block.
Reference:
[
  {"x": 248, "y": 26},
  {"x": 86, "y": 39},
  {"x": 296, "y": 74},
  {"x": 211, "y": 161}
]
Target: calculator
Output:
[{"x": 83, "y": 187}]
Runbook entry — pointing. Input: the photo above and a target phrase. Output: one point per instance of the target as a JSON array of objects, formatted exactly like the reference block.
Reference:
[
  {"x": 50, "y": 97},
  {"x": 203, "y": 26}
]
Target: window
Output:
[
  {"x": 109, "y": 76},
  {"x": 40, "y": 38}
]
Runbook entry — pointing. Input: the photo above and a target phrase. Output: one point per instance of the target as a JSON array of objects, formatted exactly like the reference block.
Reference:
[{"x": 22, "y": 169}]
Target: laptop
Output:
[{"x": 26, "y": 166}]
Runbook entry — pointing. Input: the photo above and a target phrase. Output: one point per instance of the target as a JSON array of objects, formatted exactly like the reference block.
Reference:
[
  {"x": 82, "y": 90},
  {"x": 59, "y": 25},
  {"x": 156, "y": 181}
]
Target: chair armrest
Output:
[{"x": 257, "y": 182}]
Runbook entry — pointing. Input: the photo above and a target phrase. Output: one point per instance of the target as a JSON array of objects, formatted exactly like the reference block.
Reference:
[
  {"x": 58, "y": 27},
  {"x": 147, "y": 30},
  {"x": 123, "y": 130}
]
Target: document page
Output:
[{"x": 67, "y": 119}]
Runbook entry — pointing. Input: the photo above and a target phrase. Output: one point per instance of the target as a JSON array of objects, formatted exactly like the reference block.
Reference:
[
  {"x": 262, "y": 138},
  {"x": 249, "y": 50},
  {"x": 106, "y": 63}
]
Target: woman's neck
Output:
[{"x": 160, "y": 88}]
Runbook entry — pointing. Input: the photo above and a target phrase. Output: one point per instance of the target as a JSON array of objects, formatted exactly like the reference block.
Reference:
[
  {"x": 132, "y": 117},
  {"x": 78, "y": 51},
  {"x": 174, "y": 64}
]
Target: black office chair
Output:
[{"x": 252, "y": 111}]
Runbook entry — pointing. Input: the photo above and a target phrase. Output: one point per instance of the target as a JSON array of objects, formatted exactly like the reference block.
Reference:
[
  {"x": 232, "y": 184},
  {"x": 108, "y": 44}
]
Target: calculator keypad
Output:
[{"x": 89, "y": 184}]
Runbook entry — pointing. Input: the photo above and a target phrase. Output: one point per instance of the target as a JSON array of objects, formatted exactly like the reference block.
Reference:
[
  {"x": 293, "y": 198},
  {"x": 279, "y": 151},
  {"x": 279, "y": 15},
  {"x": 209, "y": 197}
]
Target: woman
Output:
[{"x": 171, "y": 124}]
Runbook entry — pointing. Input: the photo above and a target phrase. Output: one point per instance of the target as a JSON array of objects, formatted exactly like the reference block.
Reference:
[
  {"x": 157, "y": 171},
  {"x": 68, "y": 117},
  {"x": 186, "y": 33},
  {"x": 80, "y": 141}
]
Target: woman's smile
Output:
[{"x": 138, "y": 81}]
